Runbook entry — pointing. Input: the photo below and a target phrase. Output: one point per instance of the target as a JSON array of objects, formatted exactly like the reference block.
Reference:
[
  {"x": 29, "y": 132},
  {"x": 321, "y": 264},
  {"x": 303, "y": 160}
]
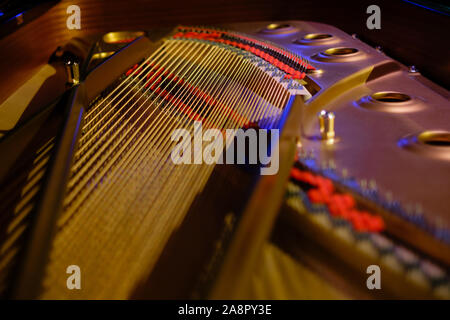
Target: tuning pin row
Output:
[{"x": 369, "y": 189}]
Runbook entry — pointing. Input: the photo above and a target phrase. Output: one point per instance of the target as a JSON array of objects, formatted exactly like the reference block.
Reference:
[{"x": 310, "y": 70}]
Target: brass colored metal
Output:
[
  {"x": 316, "y": 39},
  {"x": 435, "y": 138},
  {"x": 369, "y": 139},
  {"x": 317, "y": 36},
  {"x": 326, "y": 125},
  {"x": 276, "y": 26},
  {"x": 102, "y": 55},
  {"x": 255, "y": 228},
  {"x": 390, "y": 97},
  {"x": 391, "y": 101},
  {"x": 279, "y": 28},
  {"x": 322, "y": 118},
  {"x": 339, "y": 55},
  {"x": 433, "y": 144},
  {"x": 73, "y": 72},
  {"x": 119, "y": 164},
  {"x": 120, "y": 36},
  {"x": 330, "y": 127},
  {"x": 340, "y": 51}
]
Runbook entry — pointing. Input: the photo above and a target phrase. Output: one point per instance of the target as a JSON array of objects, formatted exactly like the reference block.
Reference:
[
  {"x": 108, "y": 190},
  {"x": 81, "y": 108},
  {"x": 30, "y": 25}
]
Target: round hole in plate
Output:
[
  {"x": 122, "y": 36},
  {"x": 278, "y": 26},
  {"x": 391, "y": 101},
  {"x": 430, "y": 143},
  {"x": 279, "y": 29},
  {"x": 435, "y": 138},
  {"x": 339, "y": 54},
  {"x": 340, "y": 51},
  {"x": 317, "y": 36},
  {"x": 390, "y": 97}
]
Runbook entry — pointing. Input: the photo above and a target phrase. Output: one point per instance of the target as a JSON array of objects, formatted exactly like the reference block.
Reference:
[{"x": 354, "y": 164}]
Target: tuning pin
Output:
[
  {"x": 326, "y": 125},
  {"x": 72, "y": 71},
  {"x": 389, "y": 196},
  {"x": 314, "y": 71},
  {"x": 413, "y": 69},
  {"x": 363, "y": 184},
  {"x": 373, "y": 190},
  {"x": 415, "y": 214},
  {"x": 330, "y": 129},
  {"x": 407, "y": 257},
  {"x": 322, "y": 118},
  {"x": 408, "y": 209},
  {"x": 301, "y": 153},
  {"x": 382, "y": 243},
  {"x": 310, "y": 154},
  {"x": 418, "y": 209},
  {"x": 331, "y": 164}
]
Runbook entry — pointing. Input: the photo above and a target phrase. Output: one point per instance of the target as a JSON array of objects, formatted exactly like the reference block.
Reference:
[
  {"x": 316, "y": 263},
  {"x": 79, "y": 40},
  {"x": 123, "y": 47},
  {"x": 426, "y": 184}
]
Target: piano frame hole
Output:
[
  {"x": 390, "y": 97},
  {"x": 317, "y": 36},
  {"x": 435, "y": 138},
  {"x": 341, "y": 51},
  {"x": 391, "y": 101},
  {"x": 278, "y": 26}
]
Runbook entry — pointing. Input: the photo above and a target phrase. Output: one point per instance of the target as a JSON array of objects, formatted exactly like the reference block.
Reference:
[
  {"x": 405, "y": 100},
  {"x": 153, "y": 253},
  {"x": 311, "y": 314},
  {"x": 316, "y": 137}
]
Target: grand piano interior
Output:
[{"x": 356, "y": 103}]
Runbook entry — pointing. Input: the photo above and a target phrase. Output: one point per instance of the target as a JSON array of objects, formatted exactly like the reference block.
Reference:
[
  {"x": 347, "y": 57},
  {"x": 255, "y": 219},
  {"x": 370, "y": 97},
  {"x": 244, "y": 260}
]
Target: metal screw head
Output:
[
  {"x": 344, "y": 173},
  {"x": 314, "y": 71},
  {"x": 332, "y": 164},
  {"x": 389, "y": 196},
  {"x": 363, "y": 184},
  {"x": 413, "y": 69}
]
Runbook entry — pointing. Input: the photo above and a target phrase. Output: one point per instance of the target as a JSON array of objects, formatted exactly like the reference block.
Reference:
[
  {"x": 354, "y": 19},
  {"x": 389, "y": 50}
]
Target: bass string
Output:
[
  {"x": 86, "y": 143},
  {"x": 192, "y": 75},
  {"x": 109, "y": 96},
  {"x": 155, "y": 130},
  {"x": 174, "y": 201},
  {"x": 98, "y": 122},
  {"x": 146, "y": 69},
  {"x": 122, "y": 116},
  {"x": 175, "y": 209},
  {"x": 172, "y": 217},
  {"x": 237, "y": 126},
  {"x": 105, "y": 144}
]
